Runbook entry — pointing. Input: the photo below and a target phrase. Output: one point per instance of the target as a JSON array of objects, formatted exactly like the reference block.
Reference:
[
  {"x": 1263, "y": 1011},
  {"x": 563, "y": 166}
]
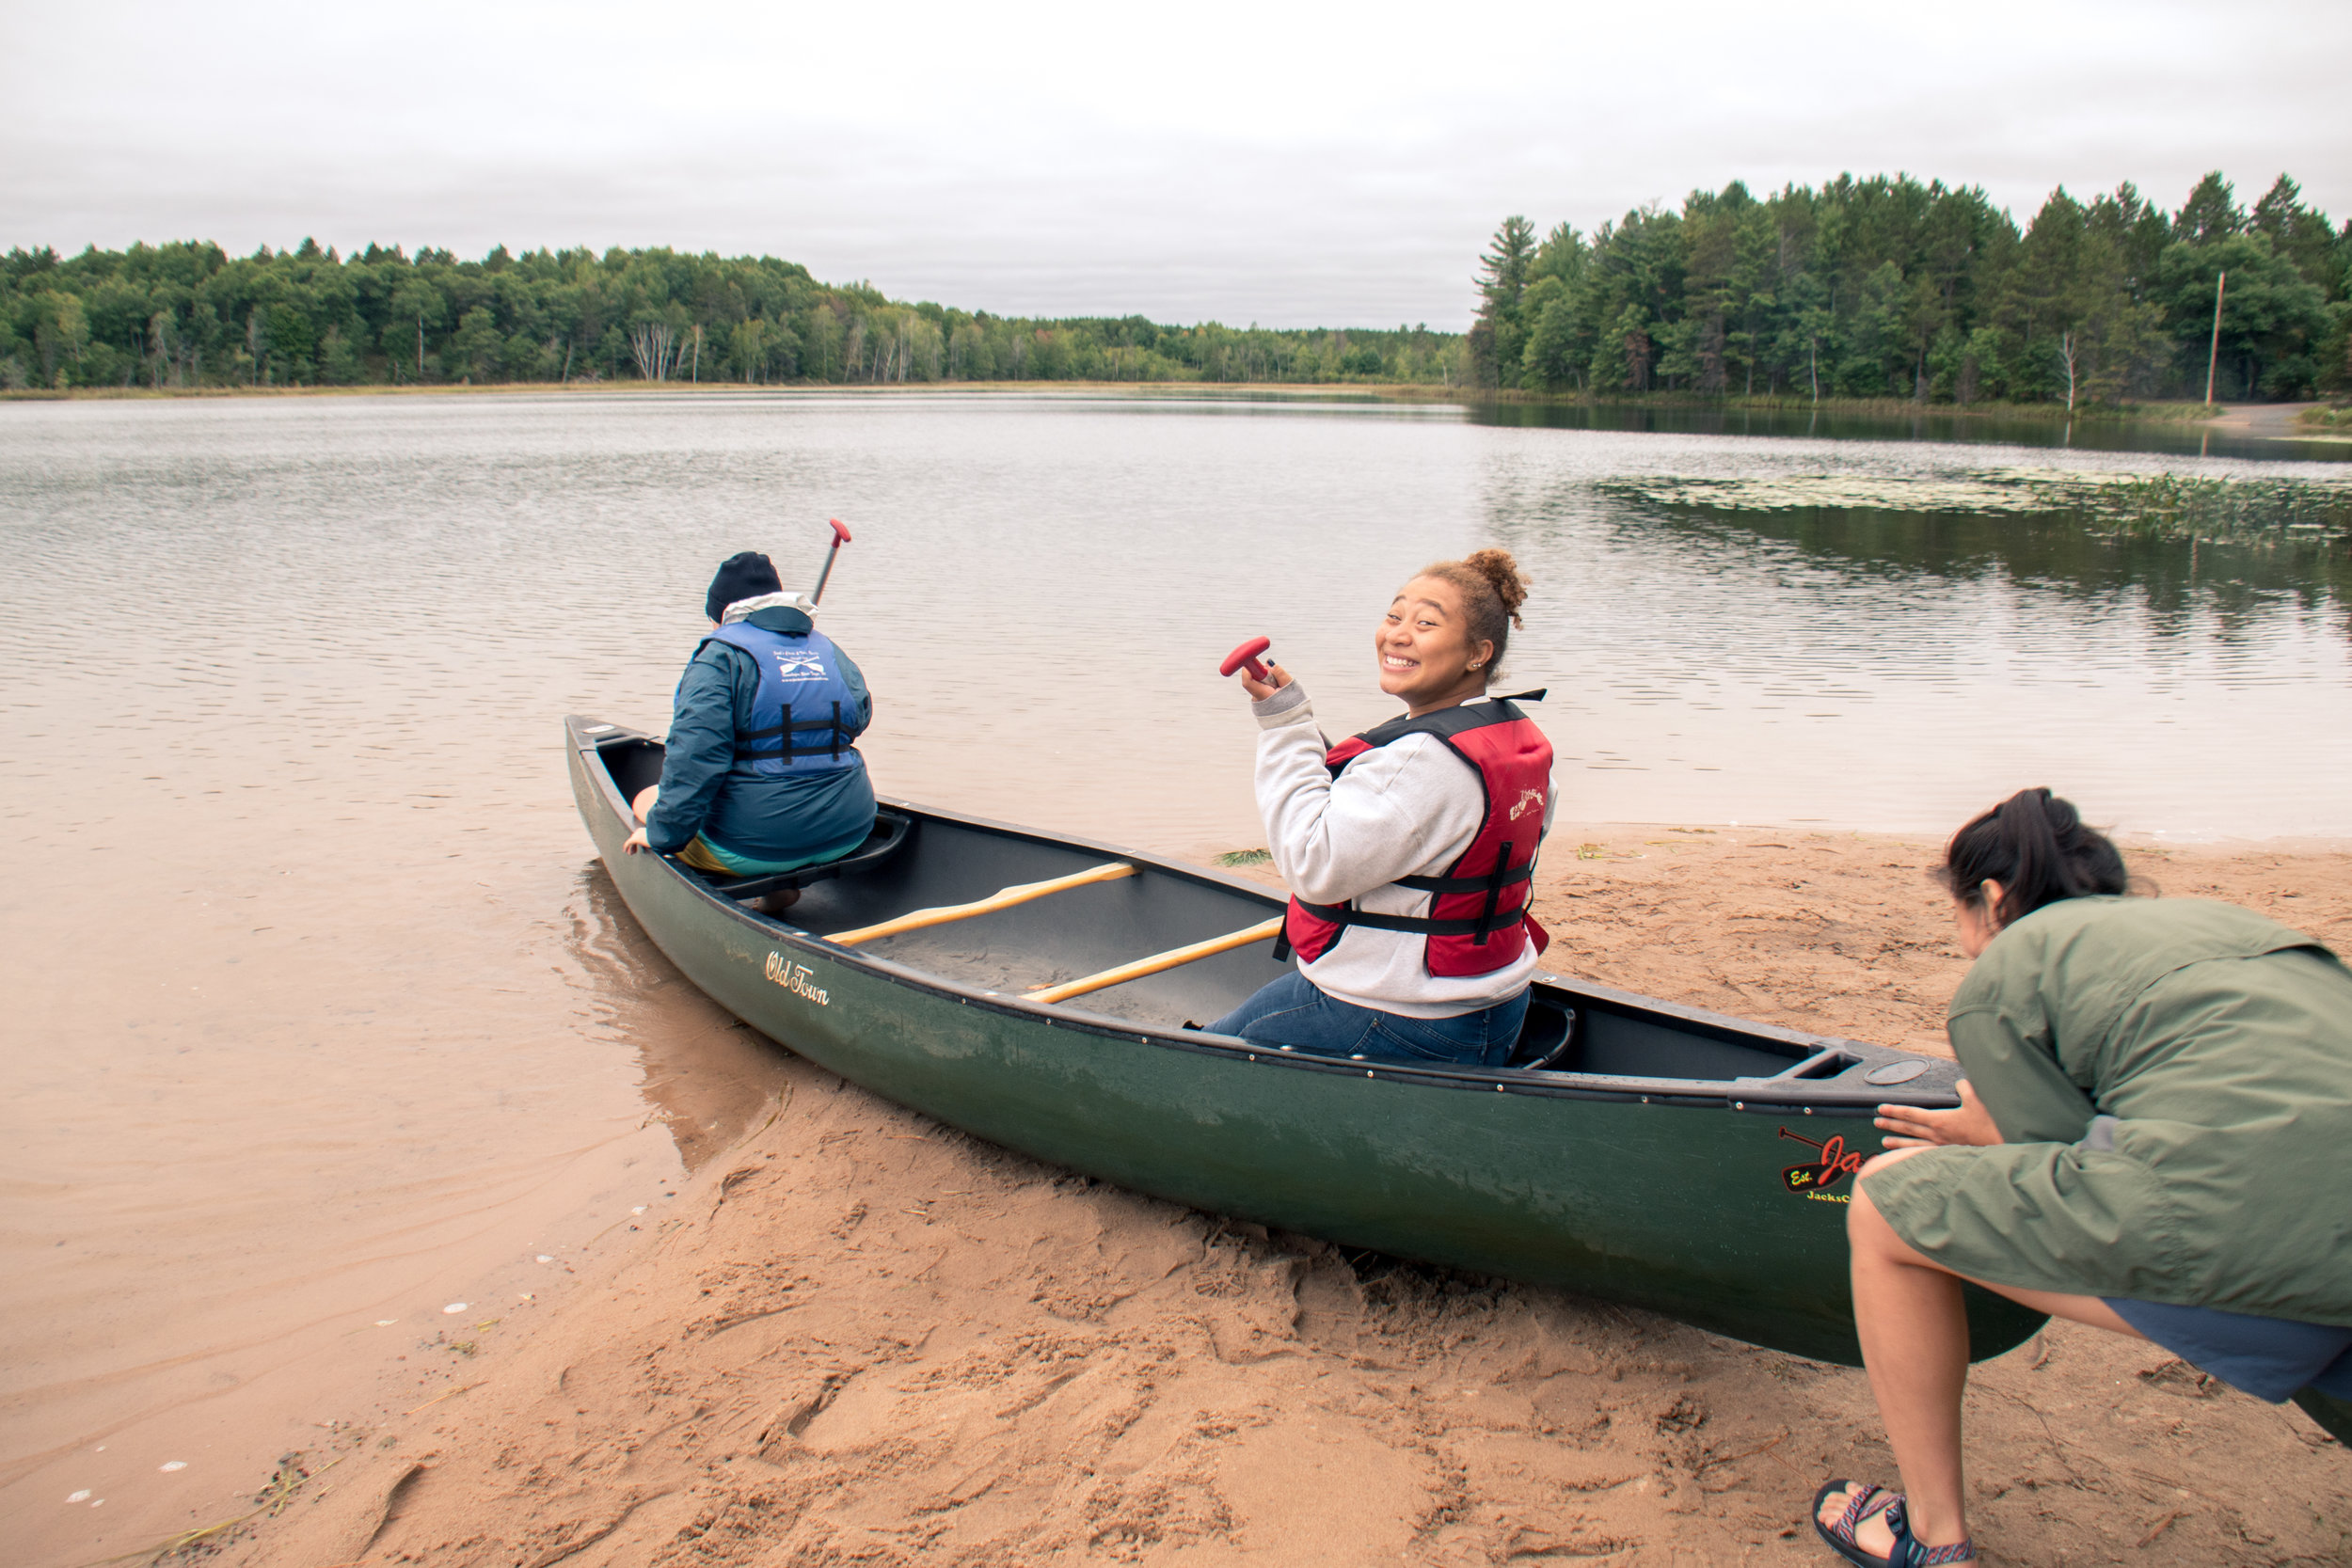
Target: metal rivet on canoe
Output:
[
  {"x": 1253, "y": 1055},
  {"x": 1808, "y": 1110},
  {"x": 1498, "y": 1088},
  {"x": 1646, "y": 1100},
  {"x": 1369, "y": 1073},
  {"x": 1739, "y": 1105}
]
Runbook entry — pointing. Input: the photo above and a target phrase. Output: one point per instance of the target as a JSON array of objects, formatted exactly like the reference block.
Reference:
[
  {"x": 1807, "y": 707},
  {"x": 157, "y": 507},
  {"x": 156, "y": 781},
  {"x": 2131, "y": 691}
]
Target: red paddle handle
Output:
[
  {"x": 841, "y": 537},
  {"x": 1246, "y": 657}
]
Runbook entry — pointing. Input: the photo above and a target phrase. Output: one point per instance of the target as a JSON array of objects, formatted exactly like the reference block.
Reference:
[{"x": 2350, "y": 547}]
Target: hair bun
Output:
[{"x": 1502, "y": 569}]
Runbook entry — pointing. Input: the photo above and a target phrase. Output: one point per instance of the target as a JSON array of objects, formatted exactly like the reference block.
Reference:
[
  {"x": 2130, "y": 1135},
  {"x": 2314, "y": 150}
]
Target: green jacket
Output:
[{"x": 2221, "y": 1044}]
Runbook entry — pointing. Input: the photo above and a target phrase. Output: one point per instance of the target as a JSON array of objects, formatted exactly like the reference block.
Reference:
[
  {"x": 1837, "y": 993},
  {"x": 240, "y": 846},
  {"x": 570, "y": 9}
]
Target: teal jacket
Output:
[{"x": 704, "y": 790}]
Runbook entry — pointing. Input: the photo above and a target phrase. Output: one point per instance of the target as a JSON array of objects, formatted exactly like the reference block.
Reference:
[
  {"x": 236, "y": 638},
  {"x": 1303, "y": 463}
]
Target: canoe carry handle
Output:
[
  {"x": 1004, "y": 898},
  {"x": 1246, "y": 657},
  {"x": 1158, "y": 961}
]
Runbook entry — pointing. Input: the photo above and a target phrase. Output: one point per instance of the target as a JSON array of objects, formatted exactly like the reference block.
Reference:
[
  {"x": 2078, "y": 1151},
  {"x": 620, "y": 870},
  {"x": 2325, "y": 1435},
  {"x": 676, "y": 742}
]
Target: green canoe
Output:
[{"x": 1680, "y": 1161}]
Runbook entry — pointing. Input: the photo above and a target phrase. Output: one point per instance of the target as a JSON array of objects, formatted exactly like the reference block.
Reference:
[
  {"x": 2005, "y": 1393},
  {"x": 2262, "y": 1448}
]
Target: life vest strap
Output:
[
  {"x": 1416, "y": 925},
  {"x": 774, "y": 730},
  {"x": 789, "y": 729},
  {"x": 749, "y": 754},
  {"x": 1467, "y": 884}
]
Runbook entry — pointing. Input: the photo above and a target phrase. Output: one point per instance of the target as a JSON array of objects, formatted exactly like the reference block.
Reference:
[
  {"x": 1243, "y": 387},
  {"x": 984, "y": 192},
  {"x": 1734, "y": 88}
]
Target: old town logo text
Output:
[{"x": 794, "y": 978}]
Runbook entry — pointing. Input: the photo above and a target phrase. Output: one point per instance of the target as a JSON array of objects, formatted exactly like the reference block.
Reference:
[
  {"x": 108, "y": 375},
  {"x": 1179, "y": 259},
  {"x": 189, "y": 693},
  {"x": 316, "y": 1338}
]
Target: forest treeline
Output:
[
  {"x": 1888, "y": 287},
  {"x": 188, "y": 314},
  {"x": 1871, "y": 288}
]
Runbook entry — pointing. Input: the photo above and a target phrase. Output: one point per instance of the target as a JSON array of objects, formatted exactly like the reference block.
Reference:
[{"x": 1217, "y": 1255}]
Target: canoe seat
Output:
[
  {"x": 1545, "y": 1040},
  {"x": 888, "y": 837}
]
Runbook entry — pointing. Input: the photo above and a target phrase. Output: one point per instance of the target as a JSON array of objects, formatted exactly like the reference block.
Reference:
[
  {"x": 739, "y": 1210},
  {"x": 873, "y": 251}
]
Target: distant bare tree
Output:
[
  {"x": 163, "y": 355},
  {"x": 656, "y": 349}
]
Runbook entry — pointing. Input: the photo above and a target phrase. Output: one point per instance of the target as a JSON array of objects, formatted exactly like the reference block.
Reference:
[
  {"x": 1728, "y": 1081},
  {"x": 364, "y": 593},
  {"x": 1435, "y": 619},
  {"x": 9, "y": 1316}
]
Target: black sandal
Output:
[{"x": 1908, "y": 1552}]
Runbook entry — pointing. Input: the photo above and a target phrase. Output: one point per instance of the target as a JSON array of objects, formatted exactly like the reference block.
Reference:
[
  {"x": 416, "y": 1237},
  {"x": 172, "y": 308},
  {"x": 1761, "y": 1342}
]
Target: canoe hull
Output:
[{"x": 1675, "y": 1207}]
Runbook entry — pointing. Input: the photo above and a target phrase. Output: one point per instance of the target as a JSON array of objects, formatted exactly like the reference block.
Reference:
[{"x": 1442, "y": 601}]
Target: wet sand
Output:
[{"x": 857, "y": 1334}]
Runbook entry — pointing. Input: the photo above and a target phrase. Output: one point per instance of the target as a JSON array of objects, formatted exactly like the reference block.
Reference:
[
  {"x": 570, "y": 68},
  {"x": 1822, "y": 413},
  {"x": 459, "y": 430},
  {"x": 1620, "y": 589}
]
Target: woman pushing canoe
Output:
[
  {"x": 1408, "y": 849},
  {"x": 2152, "y": 1138}
]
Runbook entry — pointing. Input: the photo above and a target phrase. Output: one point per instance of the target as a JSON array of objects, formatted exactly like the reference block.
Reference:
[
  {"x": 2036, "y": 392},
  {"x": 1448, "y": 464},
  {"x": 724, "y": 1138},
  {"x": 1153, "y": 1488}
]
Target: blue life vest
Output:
[{"x": 798, "y": 722}]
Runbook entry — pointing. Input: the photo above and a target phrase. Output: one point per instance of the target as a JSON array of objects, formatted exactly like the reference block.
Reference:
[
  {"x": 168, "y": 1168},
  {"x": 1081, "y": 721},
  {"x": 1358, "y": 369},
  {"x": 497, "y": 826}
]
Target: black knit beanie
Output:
[{"x": 741, "y": 577}]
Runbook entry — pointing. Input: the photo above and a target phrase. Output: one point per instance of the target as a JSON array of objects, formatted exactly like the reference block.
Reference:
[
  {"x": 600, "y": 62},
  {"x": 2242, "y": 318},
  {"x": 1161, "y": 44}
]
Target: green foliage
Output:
[
  {"x": 190, "y": 315},
  {"x": 2159, "y": 505},
  {"x": 1888, "y": 287},
  {"x": 2205, "y": 506}
]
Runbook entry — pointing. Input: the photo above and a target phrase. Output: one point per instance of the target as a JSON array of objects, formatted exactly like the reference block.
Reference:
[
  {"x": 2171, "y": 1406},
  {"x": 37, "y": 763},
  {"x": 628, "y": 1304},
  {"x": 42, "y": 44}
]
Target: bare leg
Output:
[
  {"x": 1915, "y": 1345},
  {"x": 642, "y": 806}
]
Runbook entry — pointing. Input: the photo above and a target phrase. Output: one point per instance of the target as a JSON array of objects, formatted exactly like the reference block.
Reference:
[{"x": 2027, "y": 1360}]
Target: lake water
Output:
[{"x": 323, "y": 1018}]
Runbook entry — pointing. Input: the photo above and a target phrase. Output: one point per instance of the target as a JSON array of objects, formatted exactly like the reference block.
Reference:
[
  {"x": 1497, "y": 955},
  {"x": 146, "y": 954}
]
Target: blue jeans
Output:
[{"x": 1291, "y": 1011}]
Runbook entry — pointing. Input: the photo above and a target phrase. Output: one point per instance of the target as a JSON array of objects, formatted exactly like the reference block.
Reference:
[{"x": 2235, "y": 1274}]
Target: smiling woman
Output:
[{"x": 1409, "y": 848}]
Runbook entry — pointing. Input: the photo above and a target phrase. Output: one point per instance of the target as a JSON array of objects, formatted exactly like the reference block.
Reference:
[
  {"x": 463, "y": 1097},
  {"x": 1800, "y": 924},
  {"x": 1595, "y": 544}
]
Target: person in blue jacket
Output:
[{"x": 762, "y": 774}]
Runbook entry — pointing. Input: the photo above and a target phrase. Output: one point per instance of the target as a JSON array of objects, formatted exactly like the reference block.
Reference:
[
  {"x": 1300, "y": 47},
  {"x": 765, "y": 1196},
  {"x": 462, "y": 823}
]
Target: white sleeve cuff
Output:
[{"x": 1289, "y": 705}]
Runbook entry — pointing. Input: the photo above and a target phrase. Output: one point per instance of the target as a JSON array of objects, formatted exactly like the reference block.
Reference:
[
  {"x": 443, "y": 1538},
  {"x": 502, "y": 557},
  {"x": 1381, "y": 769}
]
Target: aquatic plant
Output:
[
  {"x": 2179, "y": 504},
  {"x": 2152, "y": 504}
]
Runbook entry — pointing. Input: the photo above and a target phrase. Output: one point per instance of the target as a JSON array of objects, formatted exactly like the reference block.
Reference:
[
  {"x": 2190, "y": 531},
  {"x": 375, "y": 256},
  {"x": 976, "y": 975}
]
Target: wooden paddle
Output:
[
  {"x": 1158, "y": 961},
  {"x": 1004, "y": 898}
]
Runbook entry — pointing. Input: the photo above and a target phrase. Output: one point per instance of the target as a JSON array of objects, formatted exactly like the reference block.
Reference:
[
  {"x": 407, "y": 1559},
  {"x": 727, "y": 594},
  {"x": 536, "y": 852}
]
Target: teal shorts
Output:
[{"x": 703, "y": 855}]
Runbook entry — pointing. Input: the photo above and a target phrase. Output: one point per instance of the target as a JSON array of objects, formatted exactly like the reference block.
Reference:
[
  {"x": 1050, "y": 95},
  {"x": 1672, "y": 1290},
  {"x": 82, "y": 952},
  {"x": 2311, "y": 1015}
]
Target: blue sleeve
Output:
[
  {"x": 854, "y": 678},
  {"x": 701, "y": 749}
]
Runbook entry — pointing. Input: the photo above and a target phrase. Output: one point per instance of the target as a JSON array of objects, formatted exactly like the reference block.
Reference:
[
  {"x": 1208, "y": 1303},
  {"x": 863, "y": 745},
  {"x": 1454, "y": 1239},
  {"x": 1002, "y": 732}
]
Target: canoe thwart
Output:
[
  {"x": 1158, "y": 961},
  {"x": 1003, "y": 898}
]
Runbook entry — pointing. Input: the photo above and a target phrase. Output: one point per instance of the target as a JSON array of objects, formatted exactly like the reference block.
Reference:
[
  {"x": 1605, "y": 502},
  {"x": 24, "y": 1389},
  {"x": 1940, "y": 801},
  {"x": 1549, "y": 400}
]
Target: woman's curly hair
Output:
[{"x": 1492, "y": 590}]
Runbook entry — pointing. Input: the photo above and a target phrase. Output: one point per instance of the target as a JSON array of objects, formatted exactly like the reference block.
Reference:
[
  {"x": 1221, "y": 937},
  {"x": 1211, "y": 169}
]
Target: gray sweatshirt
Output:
[{"x": 1407, "y": 809}]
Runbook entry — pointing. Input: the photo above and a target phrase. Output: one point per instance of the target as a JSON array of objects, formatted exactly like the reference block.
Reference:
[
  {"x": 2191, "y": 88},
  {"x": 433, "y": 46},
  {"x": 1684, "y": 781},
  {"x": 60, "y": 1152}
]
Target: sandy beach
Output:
[{"x": 857, "y": 1335}]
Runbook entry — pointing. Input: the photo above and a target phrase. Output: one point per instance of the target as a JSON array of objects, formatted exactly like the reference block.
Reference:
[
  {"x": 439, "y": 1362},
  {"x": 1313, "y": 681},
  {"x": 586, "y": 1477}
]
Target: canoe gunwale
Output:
[{"x": 1787, "y": 1093}]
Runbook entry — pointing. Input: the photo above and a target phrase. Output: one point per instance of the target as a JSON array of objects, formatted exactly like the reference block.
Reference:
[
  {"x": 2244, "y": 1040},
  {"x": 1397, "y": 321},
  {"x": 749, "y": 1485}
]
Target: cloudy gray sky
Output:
[{"x": 1288, "y": 164}]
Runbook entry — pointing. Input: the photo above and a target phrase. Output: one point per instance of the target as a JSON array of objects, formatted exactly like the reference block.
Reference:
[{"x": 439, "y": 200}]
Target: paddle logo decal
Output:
[
  {"x": 796, "y": 979},
  {"x": 1836, "y": 1162},
  {"x": 800, "y": 667}
]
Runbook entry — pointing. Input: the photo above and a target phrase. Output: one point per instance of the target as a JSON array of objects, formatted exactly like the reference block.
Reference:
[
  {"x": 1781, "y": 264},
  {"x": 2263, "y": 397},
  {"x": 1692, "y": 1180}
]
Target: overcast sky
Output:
[{"x": 1291, "y": 165}]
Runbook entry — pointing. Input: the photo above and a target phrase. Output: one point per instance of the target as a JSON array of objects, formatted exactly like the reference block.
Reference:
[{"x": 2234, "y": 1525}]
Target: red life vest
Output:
[{"x": 1478, "y": 920}]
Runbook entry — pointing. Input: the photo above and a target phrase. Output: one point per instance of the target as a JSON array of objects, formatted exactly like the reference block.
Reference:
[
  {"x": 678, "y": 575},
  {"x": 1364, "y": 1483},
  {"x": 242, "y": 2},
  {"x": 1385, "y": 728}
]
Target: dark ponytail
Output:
[{"x": 2036, "y": 847}]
